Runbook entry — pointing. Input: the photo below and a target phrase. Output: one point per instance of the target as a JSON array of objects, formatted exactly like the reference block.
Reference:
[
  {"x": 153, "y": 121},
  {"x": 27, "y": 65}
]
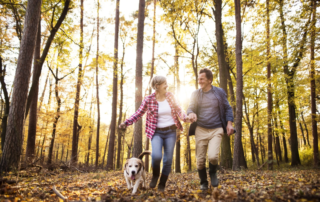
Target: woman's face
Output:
[{"x": 162, "y": 88}]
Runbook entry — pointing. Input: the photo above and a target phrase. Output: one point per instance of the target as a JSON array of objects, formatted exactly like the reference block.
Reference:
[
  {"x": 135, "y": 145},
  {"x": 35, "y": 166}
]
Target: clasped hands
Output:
[{"x": 192, "y": 117}]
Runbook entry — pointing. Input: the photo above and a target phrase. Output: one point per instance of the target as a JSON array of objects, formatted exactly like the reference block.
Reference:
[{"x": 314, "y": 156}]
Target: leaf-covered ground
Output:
[{"x": 292, "y": 185}]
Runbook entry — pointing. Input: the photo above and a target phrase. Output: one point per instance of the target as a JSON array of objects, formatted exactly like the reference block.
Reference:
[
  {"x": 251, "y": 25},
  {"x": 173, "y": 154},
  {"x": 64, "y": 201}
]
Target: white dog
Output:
[{"x": 134, "y": 171}]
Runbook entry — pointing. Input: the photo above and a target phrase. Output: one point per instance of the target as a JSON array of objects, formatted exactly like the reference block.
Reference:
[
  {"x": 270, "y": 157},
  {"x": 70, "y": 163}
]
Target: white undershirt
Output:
[{"x": 164, "y": 115}]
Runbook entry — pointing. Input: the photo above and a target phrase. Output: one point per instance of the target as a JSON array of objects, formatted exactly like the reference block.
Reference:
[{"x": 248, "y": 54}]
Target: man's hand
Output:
[
  {"x": 230, "y": 128},
  {"x": 188, "y": 120},
  {"x": 122, "y": 126},
  {"x": 192, "y": 117}
]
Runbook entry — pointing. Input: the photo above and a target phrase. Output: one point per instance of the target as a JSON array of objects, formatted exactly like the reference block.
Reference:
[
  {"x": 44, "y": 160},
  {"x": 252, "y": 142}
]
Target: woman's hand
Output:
[
  {"x": 122, "y": 126},
  {"x": 192, "y": 117},
  {"x": 188, "y": 120}
]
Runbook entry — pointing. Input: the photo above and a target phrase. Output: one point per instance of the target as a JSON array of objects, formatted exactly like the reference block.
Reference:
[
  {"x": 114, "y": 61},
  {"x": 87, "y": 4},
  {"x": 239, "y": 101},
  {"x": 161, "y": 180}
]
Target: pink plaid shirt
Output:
[{"x": 150, "y": 105}]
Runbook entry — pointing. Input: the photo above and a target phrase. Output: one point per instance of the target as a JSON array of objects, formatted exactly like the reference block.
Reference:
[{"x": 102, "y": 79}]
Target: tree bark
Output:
[
  {"x": 289, "y": 77},
  {"x": 306, "y": 128},
  {"x": 313, "y": 88},
  {"x": 302, "y": 132},
  {"x": 178, "y": 144},
  {"x": 14, "y": 134},
  {"x": 226, "y": 158},
  {"x": 7, "y": 104},
  {"x": 32, "y": 130},
  {"x": 56, "y": 119},
  {"x": 105, "y": 148},
  {"x": 270, "y": 156},
  {"x": 35, "y": 82},
  {"x": 121, "y": 132},
  {"x": 90, "y": 136},
  {"x": 97, "y": 89},
  {"x": 115, "y": 93},
  {"x": 277, "y": 137},
  {"x": 283, "y": 133},
  {"x": 238, "y": 155},
  {"x": 74, "y": 155},
  {"x": 151, "y": 73},
  {"x": 189, "y": 152},
  {"x": 137, "y": 148}
]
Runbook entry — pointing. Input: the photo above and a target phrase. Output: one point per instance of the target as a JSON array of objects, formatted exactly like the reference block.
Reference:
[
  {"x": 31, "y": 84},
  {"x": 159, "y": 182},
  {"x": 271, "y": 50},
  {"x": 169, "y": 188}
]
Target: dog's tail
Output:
[{"x": 144, "y": 153}]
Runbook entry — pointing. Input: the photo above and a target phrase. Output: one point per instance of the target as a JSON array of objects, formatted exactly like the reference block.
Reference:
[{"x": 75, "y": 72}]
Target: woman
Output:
[{"x": 161, "y": 124}]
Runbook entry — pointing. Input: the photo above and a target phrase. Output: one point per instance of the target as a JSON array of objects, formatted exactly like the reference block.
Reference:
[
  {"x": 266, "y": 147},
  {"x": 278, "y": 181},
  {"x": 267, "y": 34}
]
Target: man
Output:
[{"x": 211, "y": 110}]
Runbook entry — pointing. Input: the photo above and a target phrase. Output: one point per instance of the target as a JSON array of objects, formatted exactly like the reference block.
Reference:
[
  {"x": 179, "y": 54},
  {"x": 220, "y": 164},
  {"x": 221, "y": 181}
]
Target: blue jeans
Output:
[{"x": 167, "y": 140}]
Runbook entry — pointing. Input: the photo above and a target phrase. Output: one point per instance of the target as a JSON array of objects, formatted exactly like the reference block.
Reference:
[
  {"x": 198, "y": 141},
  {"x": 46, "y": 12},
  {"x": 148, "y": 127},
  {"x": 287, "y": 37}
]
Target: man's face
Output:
[{"x": 203, "y": 81}]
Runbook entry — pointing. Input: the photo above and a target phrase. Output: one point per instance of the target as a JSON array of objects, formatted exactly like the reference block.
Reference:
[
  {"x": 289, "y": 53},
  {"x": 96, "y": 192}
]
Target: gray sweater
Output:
[{"x": 208, "y": 116}]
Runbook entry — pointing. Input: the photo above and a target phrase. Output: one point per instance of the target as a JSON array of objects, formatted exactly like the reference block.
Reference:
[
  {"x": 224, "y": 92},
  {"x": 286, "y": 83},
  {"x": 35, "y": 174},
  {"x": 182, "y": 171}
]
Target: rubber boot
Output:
[
  {"x": 213, "y": 175},
  {"x": 162, "y": 183},
  {"x": 155, "y": 177},
  {"x": 203, "y": 179}
]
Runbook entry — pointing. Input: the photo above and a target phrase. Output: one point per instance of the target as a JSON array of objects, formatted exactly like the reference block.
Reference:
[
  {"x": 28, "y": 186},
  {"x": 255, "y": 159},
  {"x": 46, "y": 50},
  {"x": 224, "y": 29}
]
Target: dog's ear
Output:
[
  {"x": 140, "y": 166},
  {"x": 125, "y": 165}
]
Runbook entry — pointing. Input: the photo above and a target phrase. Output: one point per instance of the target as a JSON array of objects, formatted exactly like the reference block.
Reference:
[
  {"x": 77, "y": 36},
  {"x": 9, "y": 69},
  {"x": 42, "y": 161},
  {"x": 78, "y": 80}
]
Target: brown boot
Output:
[
  {"x": 155, "y": 177},
  {"x": 162, "y": 183}
]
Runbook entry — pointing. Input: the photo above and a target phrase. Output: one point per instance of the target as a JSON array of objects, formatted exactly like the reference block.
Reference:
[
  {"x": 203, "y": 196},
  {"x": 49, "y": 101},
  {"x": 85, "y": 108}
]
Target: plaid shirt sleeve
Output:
[
  {"x": 138, "y": 114},
  {"x": 178, "y": 109}
]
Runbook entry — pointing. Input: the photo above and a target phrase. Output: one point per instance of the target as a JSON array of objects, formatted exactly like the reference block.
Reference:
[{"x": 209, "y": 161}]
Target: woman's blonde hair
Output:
[{"x": 157, "y": 80}]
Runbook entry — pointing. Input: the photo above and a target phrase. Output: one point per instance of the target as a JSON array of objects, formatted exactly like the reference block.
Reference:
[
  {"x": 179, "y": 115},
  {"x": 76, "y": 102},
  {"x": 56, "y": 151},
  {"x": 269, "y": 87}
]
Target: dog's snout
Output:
[{"x": 133, "y": 172}]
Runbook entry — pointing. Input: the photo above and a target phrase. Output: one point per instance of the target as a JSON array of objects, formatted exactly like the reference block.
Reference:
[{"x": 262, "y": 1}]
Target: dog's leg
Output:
[
  {"x": 136, "y": 186},
  {"x": 144, "y": 179},
  {"x": 128, "y": 183}
]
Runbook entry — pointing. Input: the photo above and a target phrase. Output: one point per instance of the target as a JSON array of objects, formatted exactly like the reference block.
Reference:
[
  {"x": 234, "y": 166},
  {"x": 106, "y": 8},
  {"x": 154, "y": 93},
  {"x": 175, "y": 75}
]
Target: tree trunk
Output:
[
  {"x": 90, "y": 136},
  {"x": 14, "y": 134},
  {"x": 56, "y": 119},
  {"x": 105, "y": 147},
  {"x": 254, "y": 150},
  {"x": 7, "y": 105},
  {"x": 277, "y": 145},
  {"x": 121, "y": 132},
  {"x": 178, "y": 144},
  {"x": 32, "y": 130},
  {"x": 43, "y": 92},
  {"x": 305, "y": 126},
  {"x": 137, "y": 148},
  {"x": 238, "y": 155},
  {"x": 188, "y": 152},
  {"x": 283, "y": 134},
  {"x": 97, "y": 88},
  {"x": 115, "y": 92},
  {"x": 47, "y": 120},
  {"x": 270, "y": 156},
  {"x": 226, "y": 159},
  {"x": 74, "y": 155},
  {"x": 302, "y": 132},
  {"x": 313, "y": 88},
  {"x": 151, "y": 73},
  {"x": 57, "y": 154},
  {"x": 45, "y": 52}
]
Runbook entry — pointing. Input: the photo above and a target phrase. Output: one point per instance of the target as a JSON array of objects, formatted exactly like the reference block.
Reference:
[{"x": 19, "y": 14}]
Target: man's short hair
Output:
[{"x": 208, "y": 73}]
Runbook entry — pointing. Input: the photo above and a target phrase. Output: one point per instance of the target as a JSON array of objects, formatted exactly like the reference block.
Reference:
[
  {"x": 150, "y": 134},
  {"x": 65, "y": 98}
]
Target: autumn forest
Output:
[{"x": 73, "y": 70}]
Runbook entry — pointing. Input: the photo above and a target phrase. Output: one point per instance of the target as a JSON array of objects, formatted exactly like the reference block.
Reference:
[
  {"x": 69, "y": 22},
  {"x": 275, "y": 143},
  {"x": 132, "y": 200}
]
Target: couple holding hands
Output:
[{"x": 208, "y": 108}]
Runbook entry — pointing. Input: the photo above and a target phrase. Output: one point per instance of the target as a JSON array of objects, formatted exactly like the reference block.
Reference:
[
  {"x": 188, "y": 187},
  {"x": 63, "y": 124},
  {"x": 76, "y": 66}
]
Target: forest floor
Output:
[{"x": 248, "y": 185}]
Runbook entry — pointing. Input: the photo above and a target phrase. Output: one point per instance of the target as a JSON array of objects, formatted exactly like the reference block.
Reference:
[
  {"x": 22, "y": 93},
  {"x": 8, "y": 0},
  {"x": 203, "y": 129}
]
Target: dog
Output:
[{"x": 134, "y": 171}]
